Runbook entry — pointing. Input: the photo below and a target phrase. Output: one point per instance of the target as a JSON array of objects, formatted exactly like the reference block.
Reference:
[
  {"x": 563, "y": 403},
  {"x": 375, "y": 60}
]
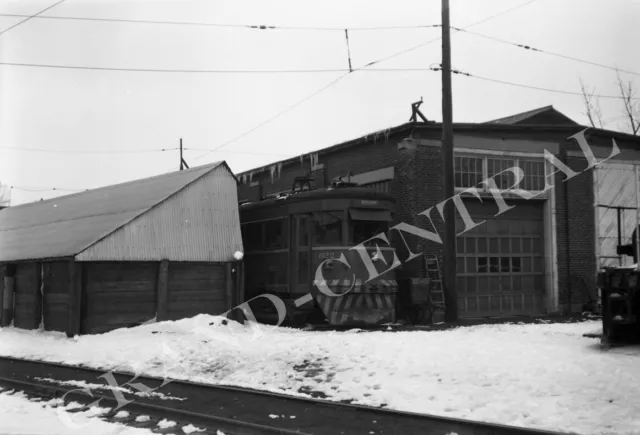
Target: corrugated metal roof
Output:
[
  {"x": 201, "y": 222},
  {"x": 67, "y": 225}
]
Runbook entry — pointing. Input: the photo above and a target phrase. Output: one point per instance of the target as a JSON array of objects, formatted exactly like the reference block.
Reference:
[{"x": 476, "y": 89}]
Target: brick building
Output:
[{"x": 537, "y": 257}]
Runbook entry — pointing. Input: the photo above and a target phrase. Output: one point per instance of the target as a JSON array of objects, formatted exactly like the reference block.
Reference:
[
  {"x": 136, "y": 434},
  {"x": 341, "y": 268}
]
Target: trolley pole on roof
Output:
[
  {"x": 183, "y": 164},
  {"x": 449, "y": 213}
]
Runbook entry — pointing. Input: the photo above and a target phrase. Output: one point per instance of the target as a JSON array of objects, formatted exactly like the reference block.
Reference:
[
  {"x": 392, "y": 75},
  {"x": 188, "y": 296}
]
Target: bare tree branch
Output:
[
  {"x": 630, "y": 109},
  {"x": 593, "y": 111}
]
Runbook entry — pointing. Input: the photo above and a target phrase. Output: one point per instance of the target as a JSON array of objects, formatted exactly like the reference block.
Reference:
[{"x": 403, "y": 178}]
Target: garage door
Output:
[{"x": 501, "y": 262}]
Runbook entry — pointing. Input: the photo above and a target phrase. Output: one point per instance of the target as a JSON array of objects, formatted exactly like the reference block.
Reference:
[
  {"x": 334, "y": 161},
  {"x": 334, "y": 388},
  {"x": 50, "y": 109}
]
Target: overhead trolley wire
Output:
[
  {"x": 538, "y": 88},
  {"x": 241, "y": 26},
  {"x": 276, "y": 116},
  {"x": 29, "y": 17},
  {"x": 335, "y": 81},
  {"x": 122, "y": 151},
  {"x": 530, "y": 48}
]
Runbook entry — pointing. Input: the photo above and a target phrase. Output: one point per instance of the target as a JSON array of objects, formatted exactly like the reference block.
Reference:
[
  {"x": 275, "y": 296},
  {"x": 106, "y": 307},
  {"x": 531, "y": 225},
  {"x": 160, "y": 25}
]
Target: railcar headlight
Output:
[{"x": 328, "y": 265}]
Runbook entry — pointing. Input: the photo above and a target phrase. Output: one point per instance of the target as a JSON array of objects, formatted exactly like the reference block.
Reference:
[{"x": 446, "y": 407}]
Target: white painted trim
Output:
[
  {"x": 596, "y": 215},
  {"x": 485, "y": 192},
  {"x": 612, "y": 160},
  {"x": 551, "y": 251},
  {"x": 484, "y": 152}
]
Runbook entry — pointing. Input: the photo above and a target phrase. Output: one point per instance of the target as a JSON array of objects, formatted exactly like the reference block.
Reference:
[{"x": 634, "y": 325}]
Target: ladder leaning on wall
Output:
[{"x": 436, "y": 294}]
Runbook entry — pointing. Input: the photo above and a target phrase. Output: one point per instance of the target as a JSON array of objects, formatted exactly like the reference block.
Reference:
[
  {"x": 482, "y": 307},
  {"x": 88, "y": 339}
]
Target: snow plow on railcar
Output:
[{"x": 299, "y": 246}]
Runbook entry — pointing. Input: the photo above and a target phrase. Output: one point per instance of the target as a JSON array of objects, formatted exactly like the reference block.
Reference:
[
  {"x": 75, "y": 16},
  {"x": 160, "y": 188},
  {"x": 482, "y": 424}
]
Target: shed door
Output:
[{"x": 501, "y": 262}]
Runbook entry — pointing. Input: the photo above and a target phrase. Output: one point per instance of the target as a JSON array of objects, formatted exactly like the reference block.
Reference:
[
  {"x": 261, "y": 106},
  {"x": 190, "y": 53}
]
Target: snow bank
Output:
[{"x": 545, "y": 376}]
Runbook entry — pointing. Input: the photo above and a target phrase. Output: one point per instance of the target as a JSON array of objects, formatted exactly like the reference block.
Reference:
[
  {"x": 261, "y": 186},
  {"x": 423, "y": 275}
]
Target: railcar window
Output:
[
  {"x": 252, "y": 236},
  {"x": 364, "y": 230},
  {"x": 327, "y": 228},
  {"x": 303, "y": 235},
  {"x": 275, "y": 234}
]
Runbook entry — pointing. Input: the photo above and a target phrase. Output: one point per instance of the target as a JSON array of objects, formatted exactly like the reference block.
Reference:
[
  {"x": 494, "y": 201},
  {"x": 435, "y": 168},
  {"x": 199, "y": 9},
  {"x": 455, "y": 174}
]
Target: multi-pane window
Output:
[
  {"x": 472, "y": 171},
  {"x": 468, "y": 171},
  {"x": 533, "y": 175},
  {"x": 495, "y": 168}
]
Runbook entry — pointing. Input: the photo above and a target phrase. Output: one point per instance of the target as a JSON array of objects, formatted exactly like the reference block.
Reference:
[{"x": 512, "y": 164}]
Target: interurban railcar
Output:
[{"x": 298, "y": 241}]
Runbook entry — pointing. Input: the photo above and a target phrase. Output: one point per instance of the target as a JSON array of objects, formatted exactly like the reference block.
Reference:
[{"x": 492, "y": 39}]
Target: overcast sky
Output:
[{"x": 61, "y": 110}]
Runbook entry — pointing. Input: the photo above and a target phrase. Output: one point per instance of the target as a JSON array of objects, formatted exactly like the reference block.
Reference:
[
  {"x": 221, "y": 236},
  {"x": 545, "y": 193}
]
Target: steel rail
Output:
[
  {"x": 185, "y": 417},
  {"x": 385, "y": 421}
]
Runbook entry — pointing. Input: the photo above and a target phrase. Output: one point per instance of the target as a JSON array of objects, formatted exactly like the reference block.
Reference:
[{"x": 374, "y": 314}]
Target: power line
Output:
[
  {"x": 276, "y": 116},
  {"x": 204, "y": 71},
  {"x": 273, "y": 118},
  {"x": 500, "y": 13},
  {"x": 528, "y": 47},
  {"x": 244, "y": 152},
  {"x": 415, "y": 47},
  {"x": 87, "y": 151},
  {"x": 294, "y": 71},
  {"x": 29, "y": 17},
  {"x": 245, "y": 26},
  {"x": 46, "y": 189},
  {"x": 520, "y": 85},
  {"x": 56, "y": 151}
]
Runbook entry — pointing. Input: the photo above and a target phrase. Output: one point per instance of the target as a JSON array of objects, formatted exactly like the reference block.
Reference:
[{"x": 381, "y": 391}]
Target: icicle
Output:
[
  {"x": 251, "y": 177},
  {"x": 314, "y": 160},
  {"x": 272, "y": 170},
  {"x": 279, "y": 169},
  {"x": 386, "y": 135},
  {"x": 302, "y": 162}
]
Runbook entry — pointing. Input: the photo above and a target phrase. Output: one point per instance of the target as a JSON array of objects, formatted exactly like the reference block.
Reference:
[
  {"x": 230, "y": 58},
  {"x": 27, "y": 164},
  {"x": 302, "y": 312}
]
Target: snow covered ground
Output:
[
  {"x": 21, "y": 416},
  {"x": 545, "y": 376}
]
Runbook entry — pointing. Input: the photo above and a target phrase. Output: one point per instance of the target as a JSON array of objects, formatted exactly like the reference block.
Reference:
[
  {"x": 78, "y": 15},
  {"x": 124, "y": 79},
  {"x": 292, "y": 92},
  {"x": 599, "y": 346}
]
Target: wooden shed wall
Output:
[
  {"x": 56, "y": 286},
  {"x": 196, "y": 288},
  {"x": 27, "y": 313},
  {"x": 118, "y": 295}
]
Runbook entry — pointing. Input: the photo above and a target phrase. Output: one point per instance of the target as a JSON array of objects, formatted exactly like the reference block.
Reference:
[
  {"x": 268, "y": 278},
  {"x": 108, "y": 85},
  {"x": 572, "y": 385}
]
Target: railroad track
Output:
[{"x": 232, "y": 410}]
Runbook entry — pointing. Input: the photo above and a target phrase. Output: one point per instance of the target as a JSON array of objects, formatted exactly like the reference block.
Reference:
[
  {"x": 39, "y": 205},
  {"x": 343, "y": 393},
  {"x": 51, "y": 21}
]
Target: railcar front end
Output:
[{"x": 317, "y": 251}]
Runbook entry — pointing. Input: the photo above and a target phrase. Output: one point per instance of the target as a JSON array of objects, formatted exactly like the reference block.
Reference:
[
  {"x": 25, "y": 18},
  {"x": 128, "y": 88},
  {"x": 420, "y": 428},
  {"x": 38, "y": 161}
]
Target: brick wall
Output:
[
  {"x": 418, "y": 186},
  {"x": 575, "y": 226}
]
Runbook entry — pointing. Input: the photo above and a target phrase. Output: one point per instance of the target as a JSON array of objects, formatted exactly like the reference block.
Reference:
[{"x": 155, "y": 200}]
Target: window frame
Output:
[{"x": 517, "y": 159}]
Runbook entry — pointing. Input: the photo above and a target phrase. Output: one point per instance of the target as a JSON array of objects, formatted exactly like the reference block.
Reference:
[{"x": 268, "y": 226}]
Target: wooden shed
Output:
[{"x": 158, "y": 248}]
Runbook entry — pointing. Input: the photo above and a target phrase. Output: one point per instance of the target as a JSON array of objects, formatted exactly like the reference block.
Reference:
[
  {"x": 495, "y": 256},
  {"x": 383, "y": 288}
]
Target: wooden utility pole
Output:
[{"x": 449, "y": 212}]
